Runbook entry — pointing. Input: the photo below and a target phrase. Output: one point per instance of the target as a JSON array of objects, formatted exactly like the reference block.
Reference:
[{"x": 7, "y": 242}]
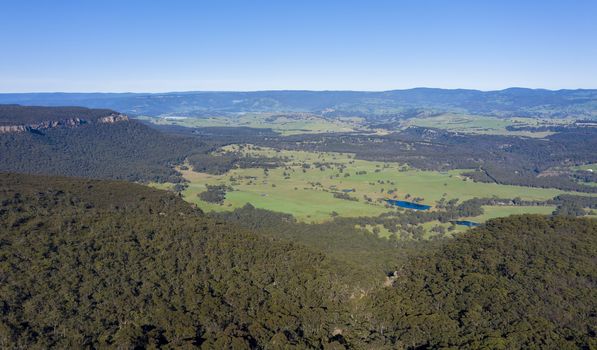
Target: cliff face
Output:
[
  {"x": 8, "y": 129},
  {"x": 113, "y": 118},
  {"x": 63, "y": 123}
]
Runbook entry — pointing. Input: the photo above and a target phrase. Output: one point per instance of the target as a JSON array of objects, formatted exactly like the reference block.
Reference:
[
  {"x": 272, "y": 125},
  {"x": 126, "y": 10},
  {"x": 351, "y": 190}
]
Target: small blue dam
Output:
[
  {"x": 408, "y": 205},
  {"x": 466, "y": 223}
]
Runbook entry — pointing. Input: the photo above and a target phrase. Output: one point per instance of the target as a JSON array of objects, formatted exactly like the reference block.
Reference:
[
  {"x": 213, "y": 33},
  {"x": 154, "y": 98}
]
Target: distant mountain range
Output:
[{"x": 502, "y": 103}]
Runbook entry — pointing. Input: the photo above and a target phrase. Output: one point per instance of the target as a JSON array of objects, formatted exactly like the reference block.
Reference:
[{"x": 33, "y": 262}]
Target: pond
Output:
[
  {"x": 408, "y": 205},
  {"x": 466, "y": 223}
]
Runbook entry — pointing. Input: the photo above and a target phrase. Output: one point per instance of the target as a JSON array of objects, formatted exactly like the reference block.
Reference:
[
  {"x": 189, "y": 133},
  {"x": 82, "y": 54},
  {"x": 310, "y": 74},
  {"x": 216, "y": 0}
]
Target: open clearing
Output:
[
  {"x": 589, "y": 167},
  {"x": 307, "y": 123},
  {"x": 491, "y": 212},
  {"x": 477, "y": 124},
  {"x": 285, "y": 124},
  {"x": 305, "y": 186}
]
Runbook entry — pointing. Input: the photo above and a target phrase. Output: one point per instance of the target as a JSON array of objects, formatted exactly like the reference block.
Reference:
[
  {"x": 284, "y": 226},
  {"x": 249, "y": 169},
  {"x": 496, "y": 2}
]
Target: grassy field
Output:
[
  {"x": 300, "y": 123},
  {"x": 592, "y": 167},
  {"x": 305, "y": 186},
  {"x": 163, "y": 186},
  {"x": 306, "y": 123},
  {"x": 490, "y": 212},
  {"x": 482, "y": 124},
  {"x": 495, "y": 211}
]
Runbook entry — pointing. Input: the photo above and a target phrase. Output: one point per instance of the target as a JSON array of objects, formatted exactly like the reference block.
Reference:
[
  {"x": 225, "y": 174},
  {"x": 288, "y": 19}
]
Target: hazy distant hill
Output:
[{"x": 508, "y": 102}]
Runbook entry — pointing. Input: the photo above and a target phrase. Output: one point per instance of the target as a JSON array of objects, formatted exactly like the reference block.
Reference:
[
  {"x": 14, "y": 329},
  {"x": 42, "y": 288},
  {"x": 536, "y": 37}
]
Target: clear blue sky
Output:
[{"x": 175, "y": 45}]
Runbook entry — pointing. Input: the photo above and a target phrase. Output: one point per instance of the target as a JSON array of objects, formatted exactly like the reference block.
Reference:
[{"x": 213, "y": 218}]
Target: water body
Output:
[
  {"x": 466, "y": 223},
  {"x": 408, "y": 205},
  {"x": 347, "y": 190}
]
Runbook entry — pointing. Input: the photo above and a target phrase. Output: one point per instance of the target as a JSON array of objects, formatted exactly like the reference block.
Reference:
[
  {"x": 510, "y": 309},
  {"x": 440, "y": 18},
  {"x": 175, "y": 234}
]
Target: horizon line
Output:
[{"x": 290, "y": 90}]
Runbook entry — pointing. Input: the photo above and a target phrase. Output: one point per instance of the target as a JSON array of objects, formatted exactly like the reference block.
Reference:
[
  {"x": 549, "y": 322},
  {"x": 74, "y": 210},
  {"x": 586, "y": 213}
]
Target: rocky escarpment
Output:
[
  {"x": 63, "y": 123},
  {"x": 113, "y": 118},
  {"x": 7, "y": 129}
]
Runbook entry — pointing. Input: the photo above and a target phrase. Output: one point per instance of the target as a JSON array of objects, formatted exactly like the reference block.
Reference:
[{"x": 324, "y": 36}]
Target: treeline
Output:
[
  {"x": 221, "y": 163},
  {"x": 506, "y": 176},
  {"x": 406, "y": 224},
  {"x": 571, "y": 205}
]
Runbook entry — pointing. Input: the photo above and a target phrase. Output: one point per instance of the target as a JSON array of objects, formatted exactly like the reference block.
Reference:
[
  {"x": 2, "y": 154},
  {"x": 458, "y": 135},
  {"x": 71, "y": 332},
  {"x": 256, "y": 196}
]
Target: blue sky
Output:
[{"x": 178, "y": 45}]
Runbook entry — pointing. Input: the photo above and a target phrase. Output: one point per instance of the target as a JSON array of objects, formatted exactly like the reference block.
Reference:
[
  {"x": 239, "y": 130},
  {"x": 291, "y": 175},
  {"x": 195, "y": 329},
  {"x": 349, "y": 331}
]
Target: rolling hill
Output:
[{"x": 508, "y": 102}]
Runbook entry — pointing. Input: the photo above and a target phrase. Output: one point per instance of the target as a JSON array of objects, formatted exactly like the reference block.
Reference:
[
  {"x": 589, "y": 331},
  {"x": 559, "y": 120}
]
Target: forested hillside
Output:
[
  {"x": 519, "y": 282},
  {"x": 88, "y": 263},
  {"x": 91, "y": 264},
  {"x": 81, "y": 146}
]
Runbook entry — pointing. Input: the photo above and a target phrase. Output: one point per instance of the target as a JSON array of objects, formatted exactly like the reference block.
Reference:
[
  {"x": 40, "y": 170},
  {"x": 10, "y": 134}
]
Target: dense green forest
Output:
[
  {"x": 519, "y": 282},
  {"x": 88, "y": 264},
  {"x": 91, "y": 263},
  {"x": 125, "y": 150},
  {"x": 128, "y": 150}
]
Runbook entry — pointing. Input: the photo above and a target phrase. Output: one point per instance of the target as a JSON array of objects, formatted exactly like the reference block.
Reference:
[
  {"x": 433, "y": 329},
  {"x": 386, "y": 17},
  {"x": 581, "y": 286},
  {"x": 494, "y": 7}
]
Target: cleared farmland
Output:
[{"x": 308, "y": 184}]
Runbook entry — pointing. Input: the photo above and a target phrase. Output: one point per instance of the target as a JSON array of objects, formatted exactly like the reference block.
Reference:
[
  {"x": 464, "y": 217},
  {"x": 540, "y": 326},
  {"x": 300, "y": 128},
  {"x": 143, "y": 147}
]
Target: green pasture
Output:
[
  {"x": 477, "y": 124},
  {"x": 592, "y": 166},
  {"x": 302, "y": 123},
  {"x": 308, "y": 193},
  {"x": 491, "y": 212}
]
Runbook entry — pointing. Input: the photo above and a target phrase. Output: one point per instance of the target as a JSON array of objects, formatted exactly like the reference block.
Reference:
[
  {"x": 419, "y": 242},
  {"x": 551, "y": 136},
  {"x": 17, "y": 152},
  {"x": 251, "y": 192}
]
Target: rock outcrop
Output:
[
  {"x": 8, "y": 129},
  {"x": 113, "y": 118},
  {"x": 63, "y": 123}
]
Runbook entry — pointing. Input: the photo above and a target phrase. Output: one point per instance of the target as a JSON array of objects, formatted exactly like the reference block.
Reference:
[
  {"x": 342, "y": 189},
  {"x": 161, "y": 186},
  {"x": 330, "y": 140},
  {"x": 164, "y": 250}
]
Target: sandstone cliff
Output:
[{"x": 63, "y": 123}]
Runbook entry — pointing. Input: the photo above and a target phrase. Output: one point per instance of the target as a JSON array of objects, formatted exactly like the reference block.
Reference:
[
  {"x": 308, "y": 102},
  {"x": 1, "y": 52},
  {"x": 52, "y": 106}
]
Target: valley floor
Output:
[{"x": 308, "y": 184}]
